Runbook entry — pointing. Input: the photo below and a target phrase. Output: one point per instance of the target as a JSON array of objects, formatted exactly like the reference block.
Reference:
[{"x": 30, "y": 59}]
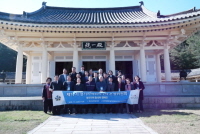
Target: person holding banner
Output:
[
  {"x": 129, "y": 87},
  {"x": 79, "y": 87},
  {"x": 47, "y": 96},
  {"x": 68, "y": 86},
  {"x": 120, "y": 86},
  {"x": 138, "y": 85},
  {"x": 110, "y": 88},
  {"x": 56, "y": 85},
  {"x": 101, "y": 87},
  {"x": 90, "y": 86}
]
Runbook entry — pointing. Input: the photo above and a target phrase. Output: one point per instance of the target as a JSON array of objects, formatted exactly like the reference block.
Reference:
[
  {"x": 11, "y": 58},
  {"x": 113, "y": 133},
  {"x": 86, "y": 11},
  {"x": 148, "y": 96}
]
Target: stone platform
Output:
[
  {"x": 151, "y": 89},
  {"x": 35, "y": 103},
  {"x": 156, "y": 95},
  {"x": 93, "y": 124}
]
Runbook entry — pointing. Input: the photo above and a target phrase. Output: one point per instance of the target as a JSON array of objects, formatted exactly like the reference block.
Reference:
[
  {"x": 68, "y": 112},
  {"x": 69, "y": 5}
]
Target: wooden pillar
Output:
[
  {"x": 143, "y": 70},
  {"x": 19, "y": 65},
  {"x": 158, "y": 68},
  {"x": 112, "y": 60},
  {"x": 167, "y": 64},
  {"x": 75, "y": 58},
  {"x": 28, "y": 69},
  {"x": 44, "y": 64}
]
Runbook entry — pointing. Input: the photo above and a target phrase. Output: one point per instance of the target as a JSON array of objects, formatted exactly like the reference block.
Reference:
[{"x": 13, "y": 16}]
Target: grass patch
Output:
[
  {"x": 175, "y": 121},
  {"x": 20, "y": 122}
]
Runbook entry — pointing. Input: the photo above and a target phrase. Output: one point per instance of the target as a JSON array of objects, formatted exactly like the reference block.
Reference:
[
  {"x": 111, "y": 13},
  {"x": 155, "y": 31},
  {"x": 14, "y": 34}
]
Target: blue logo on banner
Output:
[{"x": 57, "y": 98}]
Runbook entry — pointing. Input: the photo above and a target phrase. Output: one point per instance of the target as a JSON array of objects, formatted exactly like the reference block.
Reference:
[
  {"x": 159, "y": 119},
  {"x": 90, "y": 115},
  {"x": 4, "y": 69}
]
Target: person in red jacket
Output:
[{"x": 47, "y": 96}]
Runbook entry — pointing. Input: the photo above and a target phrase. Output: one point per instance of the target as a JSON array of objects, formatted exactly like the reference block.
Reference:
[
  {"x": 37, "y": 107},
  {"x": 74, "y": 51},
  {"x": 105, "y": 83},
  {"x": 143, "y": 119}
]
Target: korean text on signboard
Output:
[{"x": 93, "y": 45}]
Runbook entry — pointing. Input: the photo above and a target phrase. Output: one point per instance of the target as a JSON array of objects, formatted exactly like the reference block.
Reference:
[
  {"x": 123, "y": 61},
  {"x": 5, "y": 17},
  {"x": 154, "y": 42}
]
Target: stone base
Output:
[
  {"x": 36, "y": 103},
  {"x": 1, "y": 83},
  {"x": 183, "y": 81}
]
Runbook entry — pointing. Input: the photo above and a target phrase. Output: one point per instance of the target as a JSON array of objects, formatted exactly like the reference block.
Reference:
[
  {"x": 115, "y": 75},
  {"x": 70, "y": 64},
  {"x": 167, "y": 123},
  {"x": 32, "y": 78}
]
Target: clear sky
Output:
[{"x": 165, "y": 6}]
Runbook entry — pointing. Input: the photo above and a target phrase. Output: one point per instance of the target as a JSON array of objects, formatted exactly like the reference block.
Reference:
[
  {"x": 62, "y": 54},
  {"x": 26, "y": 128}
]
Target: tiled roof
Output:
[{"x": 120, "y": 15}]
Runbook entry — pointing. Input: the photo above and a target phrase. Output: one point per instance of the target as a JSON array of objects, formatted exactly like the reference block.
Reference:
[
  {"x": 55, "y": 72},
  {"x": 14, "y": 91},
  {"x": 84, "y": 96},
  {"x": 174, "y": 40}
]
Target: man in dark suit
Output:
[
  {"x": 120, "y": 86},
  {"x": 73, "y": 74},
  {"x": 105, "y": 78},
  {"x": 96, "y": 78},
  {"x": 68, "y": 86},
  {"x": 56, "y": 85},
  {"x": 110, "y": 88},
  {"x": 101, "y": 87},
  {"x": 91, "y": 73},
  {"x": 82, "y": 73},
  {"x": 110, "y": 74},
  {"x": 63, "y": 77},
  {"x": 90, "y": 86},
  {"x": 123, "y": 79}
]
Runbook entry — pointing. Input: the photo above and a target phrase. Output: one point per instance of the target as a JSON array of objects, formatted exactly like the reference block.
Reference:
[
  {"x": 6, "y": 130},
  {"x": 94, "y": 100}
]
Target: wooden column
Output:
[
  {"x": 143, "y": 70},
  {"x": 167, "y": 63},
  {"x": 158, "y": 68},
  {"x": 28, "y": 69},
  {"x": 19, "y": 65},
  {"x": 44, "y": 64}
]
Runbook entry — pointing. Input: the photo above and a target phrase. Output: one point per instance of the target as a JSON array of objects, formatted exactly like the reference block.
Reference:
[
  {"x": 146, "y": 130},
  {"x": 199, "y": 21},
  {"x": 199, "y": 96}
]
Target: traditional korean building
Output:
[{"x": 130, "y": 39}]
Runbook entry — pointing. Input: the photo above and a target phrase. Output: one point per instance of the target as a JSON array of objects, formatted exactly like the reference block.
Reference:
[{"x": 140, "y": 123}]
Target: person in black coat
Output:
[
  {"x": 123, "y": 79},
  {"x": 56, "y": 85},
  {"x": 79, "y": 87},
  {"x": 90, "y": 86},
  {"x": 138, "y": 85},
  {"x": 101, "y": 87},
  {"x": 47, "y": 96},
  {"x": 91, "y": 73},
  {"x": 129, "y": 87},
  {"x": 73, "y": 74},
  {"x": 110, "y": 74},
  {"x": 96, "y": 78},
  {"x": 68, "y": 86},
  {"x": 119, "y": 74},
  {"x": 120, "y": 86},
  {"x": 110, "y": 88},
  {"x": 105, "y": 78},
  {"x": 82, "y": 74}
]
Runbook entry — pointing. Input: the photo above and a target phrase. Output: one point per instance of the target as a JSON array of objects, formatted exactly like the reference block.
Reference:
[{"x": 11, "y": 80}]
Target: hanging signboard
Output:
[{"x": 93, "y": 45}]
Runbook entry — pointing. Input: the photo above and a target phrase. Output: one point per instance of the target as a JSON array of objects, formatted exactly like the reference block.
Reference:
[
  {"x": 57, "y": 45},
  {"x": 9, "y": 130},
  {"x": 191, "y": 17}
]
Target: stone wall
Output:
[
  {"x": 157, "y": 96},
  {"x": 35, "y": 103},
  {"x": 20, "y": 90}
]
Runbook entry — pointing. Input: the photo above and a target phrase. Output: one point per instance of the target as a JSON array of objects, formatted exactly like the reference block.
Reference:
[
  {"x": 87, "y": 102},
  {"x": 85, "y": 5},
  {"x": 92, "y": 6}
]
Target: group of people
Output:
[{"x": 91, "y": 81}]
